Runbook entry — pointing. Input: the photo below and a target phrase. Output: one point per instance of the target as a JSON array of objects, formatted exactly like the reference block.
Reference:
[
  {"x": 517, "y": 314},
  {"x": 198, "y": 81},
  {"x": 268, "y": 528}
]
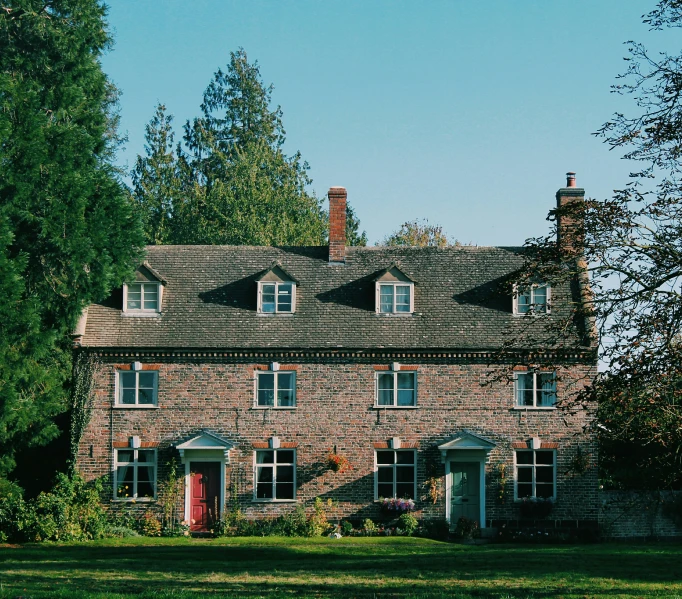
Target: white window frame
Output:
[
  {"x": 134, "y": 465},
  {"x": 118, "y": 389},
  {"x": 394, "y": 466},
  {"x": 274, "y": 465},
  {"x": 395, "y": 374},
  {"x": 393, "y": 284},
  {"x": 142, "y": 311},
  {"x": 276, "y": 374},
  {"x": 534, "y": 467},
  {"x": 277, "y": 284},
  {"x": 522, "y": 290},
  {"x": 537, "y": 390}
]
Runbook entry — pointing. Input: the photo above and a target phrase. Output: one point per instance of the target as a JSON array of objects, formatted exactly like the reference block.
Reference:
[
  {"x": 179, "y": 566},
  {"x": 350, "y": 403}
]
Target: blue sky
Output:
[{"x": 466, "y": 113}]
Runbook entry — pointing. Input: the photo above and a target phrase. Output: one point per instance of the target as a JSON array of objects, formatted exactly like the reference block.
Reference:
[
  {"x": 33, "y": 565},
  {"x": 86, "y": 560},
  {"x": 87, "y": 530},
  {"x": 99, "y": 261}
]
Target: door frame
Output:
[
  {"x": 188, "y": 482},
  {"x": 469, "y": 457}
]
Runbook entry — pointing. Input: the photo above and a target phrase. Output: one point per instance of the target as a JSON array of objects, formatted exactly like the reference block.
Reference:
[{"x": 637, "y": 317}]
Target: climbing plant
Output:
[{"x": 84, "y": 366}]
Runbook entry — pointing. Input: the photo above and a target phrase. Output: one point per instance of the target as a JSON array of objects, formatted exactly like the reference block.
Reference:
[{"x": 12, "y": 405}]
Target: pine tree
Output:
[{"x": 70, "y": 231}]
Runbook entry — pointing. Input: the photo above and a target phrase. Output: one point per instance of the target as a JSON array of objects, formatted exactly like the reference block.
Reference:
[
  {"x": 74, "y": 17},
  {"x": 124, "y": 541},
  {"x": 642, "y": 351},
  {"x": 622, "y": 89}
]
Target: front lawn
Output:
[{"x": 375, "y": 568}]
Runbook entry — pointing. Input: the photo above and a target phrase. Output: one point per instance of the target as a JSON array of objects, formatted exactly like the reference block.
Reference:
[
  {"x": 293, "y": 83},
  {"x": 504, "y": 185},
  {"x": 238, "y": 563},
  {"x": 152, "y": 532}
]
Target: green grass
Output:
[{"x": 375, "y": 568}]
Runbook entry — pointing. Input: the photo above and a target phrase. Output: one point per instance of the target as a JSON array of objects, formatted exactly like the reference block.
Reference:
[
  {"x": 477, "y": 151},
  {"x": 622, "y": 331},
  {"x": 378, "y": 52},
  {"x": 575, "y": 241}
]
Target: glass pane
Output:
[
  {"x": 151, "y": 296},
  {"x": 266, "y": 397},
  {"x": 544, "y": 457},
  {"x": 525, "y": 490},
  {"x": 406, "y": 395},
  {"x": 525, "y": 475},
  {"x": 264, "y": 474},
  {"x": 405, "y": 457},
  {"x": 386, "y": 298},
  {"x": 285, "y": 397},
  {"x": 266, "y": 380},
  {"x": 544, "y": 475},
  {"x": 265, "y": 457},
  {"x": 127, "y": 380},
  {"x": 406, "y": 380},
  {"x": 385, "y": 457},
  {"x": 145, "y": 481},
  {"x": 524, "y": 457},
  {"x": 147, "y": 379},
  {"x": 285, "y": 389},
  {"x": 134, "y": 296},
  {"x": 544, "y": 491},
  {"x": 385, "y": 398},
  {"x": 124, "y": 456},
  {"x": 285, "y": 456},
  {"x": 385, "y": 475},
  {"x": 402, "y": 298},
  {"x": 385, "y": 489},
  {"x": 385, "y": 386},
  {"x": 124, "y": 475},
  {"x": 285, "y": 474},
  {"x": 540, "y": 300},
  {"x": 145, "y": 455},
  {"x": 404, "y": 474},
  {"x": 547, "y": 386},
  {"x": 145, "y": 396},
  {"x": 127, "y": 396},
  {"x": 406, "y": 398},
  {"x": 524, "y": 389},
  {"x": 523, "y": 301},
  {"x": 264, "y": 490},
  {"x": 284, "y": 297},
  {"x": 285, "y": 490},
  {"x": 268, "y": 298},
  {"x": 404, "y": 490}
]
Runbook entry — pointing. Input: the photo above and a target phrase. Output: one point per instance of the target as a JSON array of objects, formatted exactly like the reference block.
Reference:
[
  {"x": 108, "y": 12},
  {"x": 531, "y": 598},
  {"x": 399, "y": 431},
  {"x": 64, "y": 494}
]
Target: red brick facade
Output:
[{"x": 335, "y": 410}]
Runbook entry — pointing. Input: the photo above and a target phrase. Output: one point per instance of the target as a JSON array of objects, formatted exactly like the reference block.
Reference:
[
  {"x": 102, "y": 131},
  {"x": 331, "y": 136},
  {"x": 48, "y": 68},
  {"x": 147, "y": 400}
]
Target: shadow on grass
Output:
[{"x": 345, "y": 569}]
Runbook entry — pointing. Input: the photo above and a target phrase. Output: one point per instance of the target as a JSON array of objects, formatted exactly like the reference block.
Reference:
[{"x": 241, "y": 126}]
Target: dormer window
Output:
[
  {"x": 276, "y": 291},
  {"x": 143, "y": 297},
  {"x": 534, "y": 299},
  {"x": 394, "y": 292}
]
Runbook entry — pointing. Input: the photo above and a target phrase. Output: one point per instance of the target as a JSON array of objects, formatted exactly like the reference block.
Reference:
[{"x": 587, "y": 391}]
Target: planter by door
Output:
[
  {"x": 205, "y": 495},
  {"x": 465, "y": 495}
]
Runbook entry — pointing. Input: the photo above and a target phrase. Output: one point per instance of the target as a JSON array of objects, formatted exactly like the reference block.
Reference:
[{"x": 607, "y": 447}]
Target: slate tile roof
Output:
[{"x": 210, "y": 300}]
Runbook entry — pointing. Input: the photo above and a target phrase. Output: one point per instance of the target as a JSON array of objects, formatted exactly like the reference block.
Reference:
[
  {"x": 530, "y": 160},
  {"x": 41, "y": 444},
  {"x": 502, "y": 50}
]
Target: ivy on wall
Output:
[{"x": 84, "y": 366}]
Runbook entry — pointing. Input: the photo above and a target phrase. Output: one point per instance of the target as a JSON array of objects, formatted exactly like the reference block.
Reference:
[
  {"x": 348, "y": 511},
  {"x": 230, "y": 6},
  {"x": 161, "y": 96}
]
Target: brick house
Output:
[{"x": 252, "y": 366}]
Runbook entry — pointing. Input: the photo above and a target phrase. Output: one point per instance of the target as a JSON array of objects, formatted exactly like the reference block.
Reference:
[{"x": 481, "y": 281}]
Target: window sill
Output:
[
  {"x": 394, "y": 314},
  {"x": 538, "y": 408},
  {"x": 377, "y": 407},
  {"x": 150, "y": 314},
  {"x": 274, "y": 407},
  {"x": 275, "y": 501},
  {"x": 532, "y": 314},
  {"x": 134, "y": 407},
  {"x": 275, "y": 314},
  {"x": 131, "y": 500}
]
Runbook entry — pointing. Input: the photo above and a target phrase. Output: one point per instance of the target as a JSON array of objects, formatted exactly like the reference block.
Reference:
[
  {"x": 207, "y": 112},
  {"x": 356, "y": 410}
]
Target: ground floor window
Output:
[
  {"x": 135, "y": 474},
  {"x": 396, "y": 473},
  {"x": 535, "y": 473},
  {"x": 275, "y": 474}
]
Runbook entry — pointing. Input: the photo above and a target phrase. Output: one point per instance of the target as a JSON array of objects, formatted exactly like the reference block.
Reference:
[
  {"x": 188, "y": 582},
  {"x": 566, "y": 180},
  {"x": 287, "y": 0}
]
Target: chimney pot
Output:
[
  {"x": 570, "y": 180},
  {"x": 337, "y": 224}
]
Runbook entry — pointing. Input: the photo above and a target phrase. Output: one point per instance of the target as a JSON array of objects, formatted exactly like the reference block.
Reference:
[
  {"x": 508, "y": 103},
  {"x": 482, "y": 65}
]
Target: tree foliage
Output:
[
  {"x": 67, "y": 230},
  {"x": 418, "y": 233},
  {"x": 632, "y": 254},
  {"x": 231, "y": 182}
]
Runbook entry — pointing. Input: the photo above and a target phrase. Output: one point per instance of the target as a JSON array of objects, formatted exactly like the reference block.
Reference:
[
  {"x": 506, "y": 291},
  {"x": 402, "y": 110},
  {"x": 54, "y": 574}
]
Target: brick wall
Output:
[
  {"x": 633, "y": 514},
  {"x": 335, "y": 408}
]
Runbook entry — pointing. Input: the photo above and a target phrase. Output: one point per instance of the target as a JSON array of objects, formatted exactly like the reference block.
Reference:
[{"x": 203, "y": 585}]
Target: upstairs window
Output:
[
  {"x": 396, "y": 389},
  {"x": 535, "y": 389},
  {"x": 532, "y": 300},
  {"x": 276, "y": 389},
  {"x": 394, "y": 292},
  {"x": 276, "y": 291},
  {"x": 276, "y": 298},
  {"x": 142, "y": 297},
  {"x": 136, "y": 388}
]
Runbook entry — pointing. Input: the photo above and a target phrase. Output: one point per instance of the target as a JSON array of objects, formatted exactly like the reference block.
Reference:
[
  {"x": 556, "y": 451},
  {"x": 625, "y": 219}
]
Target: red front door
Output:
[{"x": 204, "y": 494}]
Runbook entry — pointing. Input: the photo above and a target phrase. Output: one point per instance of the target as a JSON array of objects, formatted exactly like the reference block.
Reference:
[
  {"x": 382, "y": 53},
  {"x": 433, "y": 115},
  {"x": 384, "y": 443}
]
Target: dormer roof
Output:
[
  {"x": 393, "y": 274},
  {"x": 146, "y": 274},
  {"x": 276, "y": 274}
]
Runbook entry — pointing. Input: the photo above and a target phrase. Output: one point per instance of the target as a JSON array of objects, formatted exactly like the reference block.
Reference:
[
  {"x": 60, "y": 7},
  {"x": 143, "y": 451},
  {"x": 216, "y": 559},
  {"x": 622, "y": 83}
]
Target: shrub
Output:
[
  {"x": 318, "y": 525},
  {"x": 120, "y": 532},
  {"x": 13, "y": 509},
  {"x": 150, "y": 525},
  {"x": 466, "y": 528},
  {"x": 295, "y": 523},
  {"x": 346, "y": 528},
  {"x": 436, "y": 529},
  {"x": 408, "y": 524},
  {"x": 369, "y": 528}
]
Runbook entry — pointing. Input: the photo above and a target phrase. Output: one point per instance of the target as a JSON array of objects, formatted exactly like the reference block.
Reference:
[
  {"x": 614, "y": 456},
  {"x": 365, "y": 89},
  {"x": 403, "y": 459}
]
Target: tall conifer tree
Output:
[{"x": 69, "y": 231}]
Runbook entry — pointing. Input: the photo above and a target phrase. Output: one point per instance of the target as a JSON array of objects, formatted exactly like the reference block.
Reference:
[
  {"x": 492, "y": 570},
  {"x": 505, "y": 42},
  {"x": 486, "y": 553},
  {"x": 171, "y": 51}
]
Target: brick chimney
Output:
[
  {"x": 569, "y": 202},
  {"x": 337, "y": 224}
]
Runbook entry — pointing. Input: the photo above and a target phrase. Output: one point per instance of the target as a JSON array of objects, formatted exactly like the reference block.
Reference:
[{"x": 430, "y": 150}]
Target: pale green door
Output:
[{"x": 466, "y": 491}]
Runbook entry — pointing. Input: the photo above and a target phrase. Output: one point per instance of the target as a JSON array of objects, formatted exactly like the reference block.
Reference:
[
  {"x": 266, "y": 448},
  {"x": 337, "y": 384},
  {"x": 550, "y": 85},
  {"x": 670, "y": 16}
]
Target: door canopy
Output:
[
  {"x": 202, "y": 442},
  {"x": 466, "y": 440}
]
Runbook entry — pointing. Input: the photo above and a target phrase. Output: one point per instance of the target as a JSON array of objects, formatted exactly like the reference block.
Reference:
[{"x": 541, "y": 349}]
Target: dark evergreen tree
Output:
[{"x": 70, "y": 231}]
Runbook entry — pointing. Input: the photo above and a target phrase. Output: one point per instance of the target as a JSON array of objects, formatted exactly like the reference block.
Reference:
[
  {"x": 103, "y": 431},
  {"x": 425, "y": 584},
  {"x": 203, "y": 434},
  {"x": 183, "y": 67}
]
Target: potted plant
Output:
[
  {"x": 396, "y": 505},
  {"x": 338, "y": 463},
  {"x": 536, "y": 507}
]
